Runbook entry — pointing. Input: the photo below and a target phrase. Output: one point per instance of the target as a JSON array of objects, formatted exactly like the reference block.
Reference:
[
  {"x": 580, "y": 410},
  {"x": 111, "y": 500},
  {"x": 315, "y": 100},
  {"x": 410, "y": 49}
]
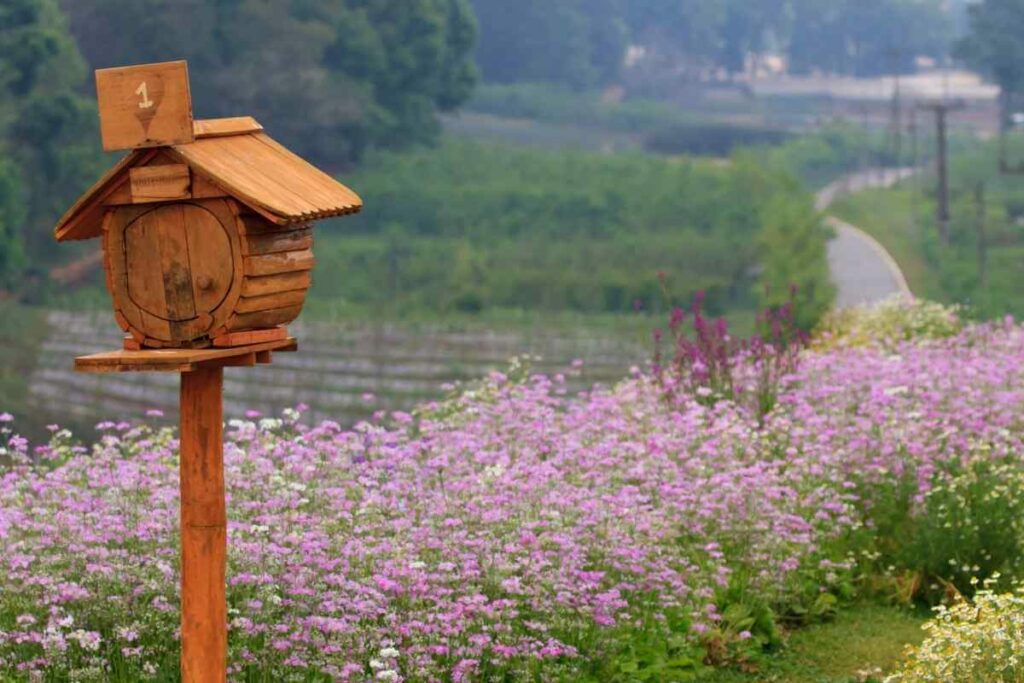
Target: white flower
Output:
[
  {"x": 389, "y": 653},
  {"x": 387, "y": 675}
]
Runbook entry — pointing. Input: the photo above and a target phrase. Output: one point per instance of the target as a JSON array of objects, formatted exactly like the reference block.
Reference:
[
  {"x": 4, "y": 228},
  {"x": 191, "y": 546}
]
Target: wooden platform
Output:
[{"x": 182, "y": 360}]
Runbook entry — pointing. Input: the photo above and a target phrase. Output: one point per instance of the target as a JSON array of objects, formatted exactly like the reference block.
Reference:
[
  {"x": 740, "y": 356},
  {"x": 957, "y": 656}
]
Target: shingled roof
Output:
[{"x": 241, "y": 159}]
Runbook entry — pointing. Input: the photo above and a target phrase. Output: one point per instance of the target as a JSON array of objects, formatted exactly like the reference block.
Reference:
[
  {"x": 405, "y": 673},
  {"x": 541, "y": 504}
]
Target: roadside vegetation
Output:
[{"x": 980, "y": 265}]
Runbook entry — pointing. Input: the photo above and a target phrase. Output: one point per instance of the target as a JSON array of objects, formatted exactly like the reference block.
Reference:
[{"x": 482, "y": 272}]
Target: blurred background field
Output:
[{"x": 527, "y": 174}]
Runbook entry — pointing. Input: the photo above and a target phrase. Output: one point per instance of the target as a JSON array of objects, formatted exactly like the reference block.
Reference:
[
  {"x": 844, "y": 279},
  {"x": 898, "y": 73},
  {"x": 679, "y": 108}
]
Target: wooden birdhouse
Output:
[{"x": 206, "y": 225}]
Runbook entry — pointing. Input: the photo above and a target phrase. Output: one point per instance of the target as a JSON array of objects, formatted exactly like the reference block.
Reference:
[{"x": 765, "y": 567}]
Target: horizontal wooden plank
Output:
[
  {"x": 285, "y": 262},
  {"x": 250, "y": 337},
  {"x": 277, "y": 241},
  {"x": 165, "y": 182},
  {"x": 271, "y": 301},
  {"x": 171, "y": 360},
  {"x": 268, "y": 284},
  {"x": 263, "y": 319},
  {"x": 235, "y": 125}
]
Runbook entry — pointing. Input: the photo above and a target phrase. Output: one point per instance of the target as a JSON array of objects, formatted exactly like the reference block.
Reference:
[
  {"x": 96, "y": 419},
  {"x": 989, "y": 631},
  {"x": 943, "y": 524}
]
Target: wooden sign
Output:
[
  {"x": 149, "y": 105},
  {"x": 160, "y": 183}
]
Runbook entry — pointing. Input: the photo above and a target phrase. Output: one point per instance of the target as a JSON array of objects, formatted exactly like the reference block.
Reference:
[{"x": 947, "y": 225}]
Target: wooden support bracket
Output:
[{"x": 180, "y": 360}]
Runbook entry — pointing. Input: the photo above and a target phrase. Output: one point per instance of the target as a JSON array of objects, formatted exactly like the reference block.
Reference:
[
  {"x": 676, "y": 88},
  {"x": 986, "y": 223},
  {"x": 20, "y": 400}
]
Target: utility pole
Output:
[
  {"x": 896, "y": 115},
  {"x": 915, "y": 184},
  {"x": 941, "y": 110},
  {"x": 979, "y": 208}
]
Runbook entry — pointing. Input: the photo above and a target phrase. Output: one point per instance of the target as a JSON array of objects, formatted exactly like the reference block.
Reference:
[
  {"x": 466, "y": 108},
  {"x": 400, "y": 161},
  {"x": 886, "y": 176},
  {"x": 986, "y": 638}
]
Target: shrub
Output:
[
  {"x": 709, "y": 364},
  {"x": 969, "y": 522},
  {"x": 888, "y": 323},
  {"x": 709, "y": 138},
  {"x": 474, "y": 227},
  {"x": 979, "y": 641}
]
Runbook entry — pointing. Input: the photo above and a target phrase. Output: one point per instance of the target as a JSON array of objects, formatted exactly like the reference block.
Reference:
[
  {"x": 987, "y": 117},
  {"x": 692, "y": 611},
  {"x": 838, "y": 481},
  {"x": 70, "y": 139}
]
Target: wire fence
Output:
[{"x": 343, "y": 372}]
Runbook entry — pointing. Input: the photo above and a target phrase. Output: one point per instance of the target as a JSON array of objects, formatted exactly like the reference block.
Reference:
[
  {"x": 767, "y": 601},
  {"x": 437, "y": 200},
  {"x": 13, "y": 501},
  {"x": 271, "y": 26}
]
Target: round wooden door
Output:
[{"x": 179, "y": 266}]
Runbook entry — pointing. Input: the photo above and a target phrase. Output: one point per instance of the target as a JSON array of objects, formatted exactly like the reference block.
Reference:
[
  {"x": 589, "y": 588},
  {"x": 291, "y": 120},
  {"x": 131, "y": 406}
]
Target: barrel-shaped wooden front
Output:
[{"x": 183, "y": 273}]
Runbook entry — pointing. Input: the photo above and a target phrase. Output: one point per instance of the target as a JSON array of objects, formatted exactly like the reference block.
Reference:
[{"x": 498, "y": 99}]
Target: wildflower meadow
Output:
[{"x": 520, "y": 532}]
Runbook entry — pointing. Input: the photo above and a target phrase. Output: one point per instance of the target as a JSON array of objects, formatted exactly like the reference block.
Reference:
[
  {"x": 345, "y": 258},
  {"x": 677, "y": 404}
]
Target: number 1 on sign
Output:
[{"x": 143, "y": 92}]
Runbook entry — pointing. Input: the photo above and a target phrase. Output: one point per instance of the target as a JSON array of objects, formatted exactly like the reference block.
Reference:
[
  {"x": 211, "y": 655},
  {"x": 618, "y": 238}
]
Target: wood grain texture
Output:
[
  {"x": 174, "y": 270},
  {"x": 269, "y": 284},
  {"x": 271, "y": 301},
  {"x": 148, "y": 105},
  {"x": 172, "y": 360},
  {"x": 84, "y": 220},
  {"x": 250, "y": 337},
  {"x": 258, "y": 244},
  {"x": 235, "y": 125},
  {"x": 274, "y": 264},
  {"x": 159, "y": 183},
  {"x": 263, "y": 319},
  {"x": 268, "y": 177},
  {"x": 205, "y": 189},
  {"x": 204, "y": 623}
]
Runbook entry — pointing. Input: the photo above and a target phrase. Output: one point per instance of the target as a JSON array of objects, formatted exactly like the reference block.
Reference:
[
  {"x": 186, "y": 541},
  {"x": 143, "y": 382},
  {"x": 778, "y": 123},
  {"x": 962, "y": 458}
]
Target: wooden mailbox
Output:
[
  {"x": 208, "y": 248},
  {"x": 206, "y": 239}
]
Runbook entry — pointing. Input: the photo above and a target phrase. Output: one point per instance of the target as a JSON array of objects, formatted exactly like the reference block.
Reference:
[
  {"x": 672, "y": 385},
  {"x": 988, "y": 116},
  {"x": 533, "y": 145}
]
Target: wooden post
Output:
[
  {"x": 204, "y": 640},
  {"x": 204, "y": 622}
]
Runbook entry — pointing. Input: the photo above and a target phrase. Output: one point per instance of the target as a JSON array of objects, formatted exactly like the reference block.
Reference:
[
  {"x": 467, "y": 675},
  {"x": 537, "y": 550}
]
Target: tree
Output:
[
  {"x": 329, "y": 77},
  {"x": 681, "y": 35},
  {"x": 48, "y": 140},
  {"x": 746, "y": 28},
  {"x": 579, "y": 43},
  {"x": 866, "y": 37},
  {"x": 994, "y": 45}
]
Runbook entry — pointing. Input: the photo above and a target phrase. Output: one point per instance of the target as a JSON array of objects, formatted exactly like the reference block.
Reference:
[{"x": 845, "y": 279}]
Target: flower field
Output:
[{"x": 519, "y": 531}]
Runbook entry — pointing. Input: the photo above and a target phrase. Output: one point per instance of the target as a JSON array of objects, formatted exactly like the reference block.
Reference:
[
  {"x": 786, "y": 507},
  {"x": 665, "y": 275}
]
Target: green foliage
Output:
[
  {"x": 582, "y": 44},
  {"x": 656, "y": 650},
  {"x": 579, "y": 43},
  {"x": 711, "y": 138},
  {"x": 12, "y": 250},
  {"x": 970, "y": 524},
  {"x": 838, "y": 148},
  {"x": 980, "y": 266},
  {"x": 467, "y": 227},
  {"x": 329, "y": 78},
  {"x": 972, "y": 641},
  {"x": 48, "y": 142},
  {"x": 865, "y": 38},
  {"x": 994, "y": 45},
  {"x": 551, "y": 103},
  {"x": 888, "y": 324},
  {"x": 793, "y": 248}
]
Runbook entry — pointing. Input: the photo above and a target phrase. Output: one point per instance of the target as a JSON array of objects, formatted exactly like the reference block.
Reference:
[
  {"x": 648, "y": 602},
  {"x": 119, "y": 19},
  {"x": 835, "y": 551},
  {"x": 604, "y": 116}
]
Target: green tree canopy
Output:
[
  {"x": 329, "y": 77},
  {"x": 580, "y": 43},
  {"x": 48, "y": 140},
  {"x": 995, "y": 44}
]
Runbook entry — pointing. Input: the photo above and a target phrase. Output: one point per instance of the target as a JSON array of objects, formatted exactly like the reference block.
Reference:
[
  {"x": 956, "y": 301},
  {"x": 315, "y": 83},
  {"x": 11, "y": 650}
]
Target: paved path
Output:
[{"x": 863, "y": 271}]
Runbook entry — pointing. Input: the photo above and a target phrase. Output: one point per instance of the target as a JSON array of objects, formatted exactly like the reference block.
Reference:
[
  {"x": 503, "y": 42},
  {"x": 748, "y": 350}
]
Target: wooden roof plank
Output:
[
  {"x": 232, "y": 165},
  {"x": 326, "y": 186},
  {"x": 247, "y": 164},
  {"x": 70, "y": 225},
  {"x": 236, "y": 125}
]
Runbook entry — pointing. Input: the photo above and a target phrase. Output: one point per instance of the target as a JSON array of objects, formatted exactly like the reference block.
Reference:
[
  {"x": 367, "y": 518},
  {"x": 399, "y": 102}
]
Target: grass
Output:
[
  {"x": 861, "y": 639},
  {"x": 892, "y": 217},
  {"x": 21, "y": 335}
]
